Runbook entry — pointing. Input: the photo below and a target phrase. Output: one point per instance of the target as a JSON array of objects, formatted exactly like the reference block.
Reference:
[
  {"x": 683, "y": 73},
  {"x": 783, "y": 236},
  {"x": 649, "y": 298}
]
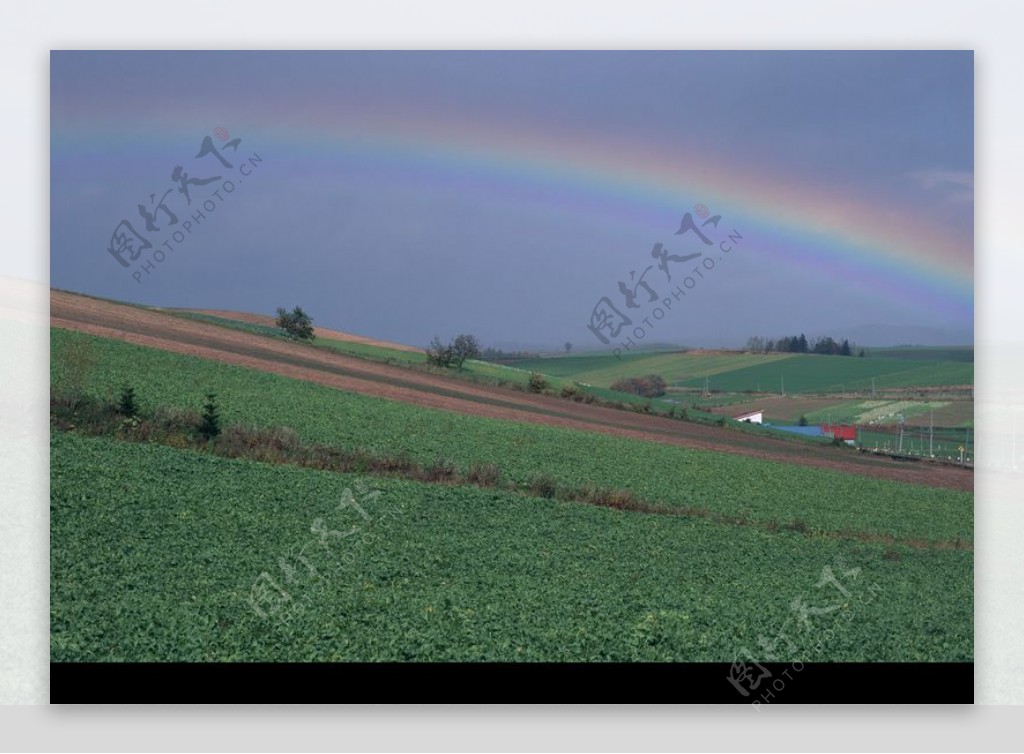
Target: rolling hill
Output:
[{"x": 356, "y": 510}]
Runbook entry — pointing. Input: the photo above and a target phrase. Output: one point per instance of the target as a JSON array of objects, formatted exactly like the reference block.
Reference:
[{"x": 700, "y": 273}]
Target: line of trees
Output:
[
  {"x": 825, "y": 345},
  {"x": 454, "y": 353}
]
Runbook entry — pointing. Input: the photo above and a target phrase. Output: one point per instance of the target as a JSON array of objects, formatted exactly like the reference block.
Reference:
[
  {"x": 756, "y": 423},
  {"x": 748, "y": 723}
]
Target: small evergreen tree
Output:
[
  {"x": 126, "y": 404},
  {"x": 209, "y": 427}
]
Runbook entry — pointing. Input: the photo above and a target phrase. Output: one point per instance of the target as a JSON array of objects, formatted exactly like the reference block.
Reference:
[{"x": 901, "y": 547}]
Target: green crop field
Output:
[
  {"x": 752, "y": 372},
  {"x": 675, "y": 367},
  {"x": 668, "y": 475},
  {"x": 163, "y": 554},
  {"x": 930, "y": 353},
  {"x": 588, "y": 364},
  {"x": 877, "y": 412},
  {"x": 807, "y": 373},
  {"x": 231, "y": 324},
  {"x": 373, "y": 352}
]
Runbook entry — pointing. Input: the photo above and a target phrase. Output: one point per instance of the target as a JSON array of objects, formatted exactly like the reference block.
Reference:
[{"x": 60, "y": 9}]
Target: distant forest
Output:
[{"x": 799, "y": 344}]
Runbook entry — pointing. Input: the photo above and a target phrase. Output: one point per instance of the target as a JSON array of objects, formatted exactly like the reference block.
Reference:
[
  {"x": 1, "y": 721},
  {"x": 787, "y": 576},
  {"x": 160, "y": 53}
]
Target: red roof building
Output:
[{"x": 840, "y": 431}]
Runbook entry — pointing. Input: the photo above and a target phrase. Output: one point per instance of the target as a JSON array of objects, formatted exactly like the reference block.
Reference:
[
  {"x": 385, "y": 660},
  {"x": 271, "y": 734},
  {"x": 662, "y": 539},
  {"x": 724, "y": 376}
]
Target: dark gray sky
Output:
[{"x": 403, "y": 195}]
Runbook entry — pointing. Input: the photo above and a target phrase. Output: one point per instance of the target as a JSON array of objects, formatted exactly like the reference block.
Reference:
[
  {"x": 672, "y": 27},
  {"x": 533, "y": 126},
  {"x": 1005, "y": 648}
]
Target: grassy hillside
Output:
[
  {"x": 929, "y": 353},
  {"x": 674, "y": 367},
  {"x": 738, "y": 372},
  {"x": 473, "y": 370},
  {"x": 810, "y": 373},
  {"x": 157, "y": 553},
  {"x": 762, "y": 490},
  {"x": 887, "y": 411}
]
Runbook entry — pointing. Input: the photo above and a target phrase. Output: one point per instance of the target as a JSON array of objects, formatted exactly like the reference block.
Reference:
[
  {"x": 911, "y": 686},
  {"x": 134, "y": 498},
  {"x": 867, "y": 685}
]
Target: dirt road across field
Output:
[{"x": 305, "y": 362}]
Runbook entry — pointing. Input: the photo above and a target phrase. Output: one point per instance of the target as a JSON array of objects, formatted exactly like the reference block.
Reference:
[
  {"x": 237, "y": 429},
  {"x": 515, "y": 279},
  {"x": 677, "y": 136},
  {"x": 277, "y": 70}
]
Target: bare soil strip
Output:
[{"x": 299, "y": 361}]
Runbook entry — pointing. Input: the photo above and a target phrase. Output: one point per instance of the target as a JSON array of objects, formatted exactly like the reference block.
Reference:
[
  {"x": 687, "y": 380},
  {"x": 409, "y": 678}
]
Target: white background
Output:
[{"x": 993, "y": 29}]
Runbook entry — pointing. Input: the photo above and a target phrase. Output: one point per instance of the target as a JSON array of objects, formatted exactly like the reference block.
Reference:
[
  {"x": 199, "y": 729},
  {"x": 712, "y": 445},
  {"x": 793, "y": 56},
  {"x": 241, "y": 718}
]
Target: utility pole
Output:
[
  {"x": 901, "y": 433},
  {"x": 782, "y": 382},
  {"x": 872, "y": 387}
]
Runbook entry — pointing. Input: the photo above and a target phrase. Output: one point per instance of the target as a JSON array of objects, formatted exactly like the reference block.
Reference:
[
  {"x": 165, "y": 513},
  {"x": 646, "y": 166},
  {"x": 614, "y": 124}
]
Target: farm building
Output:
[
  {"x": 754, "y": 417},
  {"x": 845, "y": 432}
]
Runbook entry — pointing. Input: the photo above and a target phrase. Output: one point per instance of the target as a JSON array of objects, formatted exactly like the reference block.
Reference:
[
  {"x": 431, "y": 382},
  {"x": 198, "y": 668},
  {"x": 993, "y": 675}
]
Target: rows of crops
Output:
[
  {"x": 877, "y": 411},
  {"x": 373, "y": 352},
  {"x": 808, "y": 373},
  {"x": 690, "y": 369},
  {"x": 164, "y": 554},
  {"x": 929, "y": 353},
  {"x": 739, "y": 372},
  {"x": 585, "y": 365},
  {"x": 233, "y": 324},
  {"x": 675, "y": 367},
  {"x": 761, "y": 490}
]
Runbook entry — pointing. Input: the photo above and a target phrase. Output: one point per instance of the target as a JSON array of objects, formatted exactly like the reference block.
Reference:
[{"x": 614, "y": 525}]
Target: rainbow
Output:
[{"x": 846, "y": 238}]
